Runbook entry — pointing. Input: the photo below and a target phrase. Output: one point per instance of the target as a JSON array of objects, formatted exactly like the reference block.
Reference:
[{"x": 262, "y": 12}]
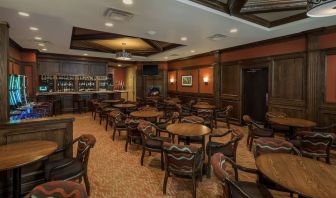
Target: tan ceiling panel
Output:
[{"x": 131, "y": 44}]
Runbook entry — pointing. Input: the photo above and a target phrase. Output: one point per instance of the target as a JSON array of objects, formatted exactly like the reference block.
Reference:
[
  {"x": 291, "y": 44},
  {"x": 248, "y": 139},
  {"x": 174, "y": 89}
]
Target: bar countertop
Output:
[{"x": 79, "y": 92}]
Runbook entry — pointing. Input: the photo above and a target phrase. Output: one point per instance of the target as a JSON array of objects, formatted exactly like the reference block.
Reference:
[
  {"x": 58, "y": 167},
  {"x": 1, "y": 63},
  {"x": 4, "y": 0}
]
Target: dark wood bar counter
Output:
[
  {"x": 58, "y": 130},
  {"x": 67, "y": 98}
]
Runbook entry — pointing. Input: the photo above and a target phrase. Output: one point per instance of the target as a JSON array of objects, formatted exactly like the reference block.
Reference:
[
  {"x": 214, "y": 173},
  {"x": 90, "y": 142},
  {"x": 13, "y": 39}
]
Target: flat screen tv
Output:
[{"x": 150, "y": 70}]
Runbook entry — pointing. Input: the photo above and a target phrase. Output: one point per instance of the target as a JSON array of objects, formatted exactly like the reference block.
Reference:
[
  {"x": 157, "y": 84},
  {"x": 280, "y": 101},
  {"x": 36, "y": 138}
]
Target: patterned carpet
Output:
[{"x": 116, "y": 173}]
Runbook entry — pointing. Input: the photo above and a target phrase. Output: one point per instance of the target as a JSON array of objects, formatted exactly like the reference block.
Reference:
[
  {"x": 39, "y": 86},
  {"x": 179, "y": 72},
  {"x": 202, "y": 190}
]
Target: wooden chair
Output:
[
  {"x": 208, "y": 117},
  {"x": 184, "y": 161},
  {"x": 232, "y": 186},
  {"x": 255, "y": 131},
  {"x": 118, "y": 121},
  {"x": 133, "y": 134},
  {"x": 72, "y": 168},
  {"x": 150, "y": 142},
  {"x": 327, "y": 129},
  {"x": 229, "y": 149},
  {"x": 223, "y": 116},
  {"x": 58, "y": 189},
  {"x": 314, "y": 144}
]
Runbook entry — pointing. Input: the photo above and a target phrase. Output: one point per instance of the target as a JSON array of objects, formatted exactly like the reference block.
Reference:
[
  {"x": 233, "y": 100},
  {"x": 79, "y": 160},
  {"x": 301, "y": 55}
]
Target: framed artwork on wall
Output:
[{"x": 187, "y": 81}]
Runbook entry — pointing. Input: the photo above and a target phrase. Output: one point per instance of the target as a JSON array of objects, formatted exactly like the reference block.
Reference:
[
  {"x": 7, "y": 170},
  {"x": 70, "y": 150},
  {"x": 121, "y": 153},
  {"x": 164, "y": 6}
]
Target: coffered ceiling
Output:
[
  {"x": 268, "y": 13},
  {"x": 98, "y": 41},
  {"x": 166, "y": 29}
]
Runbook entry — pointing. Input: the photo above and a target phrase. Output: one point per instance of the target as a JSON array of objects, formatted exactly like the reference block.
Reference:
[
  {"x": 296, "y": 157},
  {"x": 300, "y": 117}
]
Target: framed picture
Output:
[{"x": 187, "y": 81}]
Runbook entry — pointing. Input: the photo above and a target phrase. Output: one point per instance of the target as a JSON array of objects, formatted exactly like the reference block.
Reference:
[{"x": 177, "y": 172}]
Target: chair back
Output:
[
  {"x": 192, "y": 119},
  {"x": 182, "y": 159},
  {"x": 224, "y": 171},
  {"x": 315, "y": 143},
  {"x": 327, "y": 129},
  {"x": 273, "y": 145},
  {"x": 146, "y": 129},
  {"x": 84, "y": 144},
  {"x": 118, "y": 117}
]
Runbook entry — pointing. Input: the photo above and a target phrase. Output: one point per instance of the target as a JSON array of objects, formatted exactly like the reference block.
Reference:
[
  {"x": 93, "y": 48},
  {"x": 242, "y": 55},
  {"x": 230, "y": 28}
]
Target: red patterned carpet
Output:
[{"x": 116, "y": 173}]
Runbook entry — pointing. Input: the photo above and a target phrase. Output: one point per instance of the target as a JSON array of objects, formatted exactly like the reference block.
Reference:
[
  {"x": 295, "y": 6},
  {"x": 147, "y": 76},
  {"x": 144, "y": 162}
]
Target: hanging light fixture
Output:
[
  {"x": 123, "y": 55},
  {"x": 321, "y": 8}
]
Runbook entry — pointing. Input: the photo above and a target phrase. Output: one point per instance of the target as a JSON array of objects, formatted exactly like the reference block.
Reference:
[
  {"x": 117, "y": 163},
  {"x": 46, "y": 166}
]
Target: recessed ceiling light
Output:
[
  {"x": 183, "y": 38},
  {"x": 108, "y": 24},
  {"x": 44, "y": 49},
  {"x": 38, "y": 38},
  {"x": 25, "y": 14},
  {"x": 234, "y": 30},
  {"x": 128, "y": 2},
  {"x": 166, "y": 57},
  {"x": 151, "y": 32},
  {"x": 119, "y": 65},
  {"x": 41, "y": 44},
  {"x": 85, "y": 54},
  {"x": 192, "y": 51},
  {"x": 33, "y": 28}
]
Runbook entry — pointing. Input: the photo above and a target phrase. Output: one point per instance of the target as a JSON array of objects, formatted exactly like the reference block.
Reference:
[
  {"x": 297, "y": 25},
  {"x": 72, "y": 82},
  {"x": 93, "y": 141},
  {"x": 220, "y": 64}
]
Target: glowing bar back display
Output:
[{"x": 17, "y": 90}]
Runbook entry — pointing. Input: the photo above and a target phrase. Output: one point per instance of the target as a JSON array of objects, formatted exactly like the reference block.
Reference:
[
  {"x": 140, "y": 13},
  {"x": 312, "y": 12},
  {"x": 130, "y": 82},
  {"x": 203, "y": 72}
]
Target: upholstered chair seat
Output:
[{"x": 58, "y": 189}]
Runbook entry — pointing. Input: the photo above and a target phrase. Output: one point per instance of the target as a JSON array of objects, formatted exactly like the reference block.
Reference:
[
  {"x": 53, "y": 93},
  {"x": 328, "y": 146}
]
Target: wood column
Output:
[
  {"x": 217, "y": 78},
  {"x": 4, "y": 45},
  {"x": 313, "y": 63}
]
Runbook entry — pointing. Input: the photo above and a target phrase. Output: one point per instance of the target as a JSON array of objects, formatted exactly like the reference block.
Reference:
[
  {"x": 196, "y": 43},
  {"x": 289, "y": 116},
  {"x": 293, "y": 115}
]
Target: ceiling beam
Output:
[
  {"x": 235, "y": 6},
  {"x": 153, "y": 44},
  {"x": 289, "y": 19},
  {"x": 273, "y": 9}
]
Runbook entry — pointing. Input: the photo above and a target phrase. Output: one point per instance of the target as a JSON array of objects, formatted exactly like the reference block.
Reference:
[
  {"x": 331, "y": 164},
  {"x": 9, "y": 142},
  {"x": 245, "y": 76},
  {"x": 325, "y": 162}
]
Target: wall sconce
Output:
[
  {"x": 206, "y": 80},
  {"x": 172, "y": 80}
]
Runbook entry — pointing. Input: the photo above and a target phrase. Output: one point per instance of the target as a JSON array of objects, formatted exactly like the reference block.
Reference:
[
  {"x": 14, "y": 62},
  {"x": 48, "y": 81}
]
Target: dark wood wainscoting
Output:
[{"x": 57, "y": 130}]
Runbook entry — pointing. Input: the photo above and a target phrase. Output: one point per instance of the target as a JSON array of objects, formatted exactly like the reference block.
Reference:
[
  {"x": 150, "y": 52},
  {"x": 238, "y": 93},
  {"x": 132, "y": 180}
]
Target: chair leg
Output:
[
  {"x": 142, "y": 155},
  {"x": 251, "y": 142},
  {"x": 165, "y": 182},
  {"x": 162, "y": 168},
  {"x": 194, "y": 186},
  {"x": 87, "y": 184},
  {"x": 107, "y": 121},
  {"x": 114, "y": 131},
  {"x": 94, "y": 116},
  {"x": 126, "y": 145}
]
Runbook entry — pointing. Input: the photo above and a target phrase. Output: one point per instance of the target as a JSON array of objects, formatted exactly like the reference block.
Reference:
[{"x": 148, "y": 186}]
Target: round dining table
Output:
[
  {"x": 124, "y": 107},
  {"x": 14, "y": 156},
  {"x": 188, "y": 130},
  {"x": 146, "y": 114},
  {"x": 111, "y": 102},
  {"x": 304, "y": 176},
  {"x": 292, "y": 123},
  {"x": 204, "y": 106}
]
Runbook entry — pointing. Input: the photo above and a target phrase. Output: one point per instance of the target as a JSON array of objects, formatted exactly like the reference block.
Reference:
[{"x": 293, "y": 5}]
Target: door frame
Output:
[{"x": 254, "y": 65}]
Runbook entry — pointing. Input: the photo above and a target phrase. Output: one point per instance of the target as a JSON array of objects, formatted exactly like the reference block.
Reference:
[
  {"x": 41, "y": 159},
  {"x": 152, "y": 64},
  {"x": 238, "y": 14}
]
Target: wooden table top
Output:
[
  {"x": 124, "y": 106},
  {"x": 111, "y": 101},
  {"x": 146, "y": 114},
  {"x": 188, "y": 129},
  {"x": 204, "y": 106},
  {"x": 302, "y": 175},
  {"x": 293, "y": 122},
  {"x": 23, "y": 153}
]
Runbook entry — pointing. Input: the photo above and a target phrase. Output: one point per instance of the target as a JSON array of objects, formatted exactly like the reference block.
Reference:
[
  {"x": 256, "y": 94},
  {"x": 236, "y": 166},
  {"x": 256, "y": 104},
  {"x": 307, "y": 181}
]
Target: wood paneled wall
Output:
[
  {"x": 4, "y": 43},
  {"x": 297, "y": 65}
]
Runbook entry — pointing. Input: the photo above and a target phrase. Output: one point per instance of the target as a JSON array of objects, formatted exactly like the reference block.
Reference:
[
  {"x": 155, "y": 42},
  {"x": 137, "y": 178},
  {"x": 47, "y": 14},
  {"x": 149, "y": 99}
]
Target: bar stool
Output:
[{"x": 78, "y": 103}]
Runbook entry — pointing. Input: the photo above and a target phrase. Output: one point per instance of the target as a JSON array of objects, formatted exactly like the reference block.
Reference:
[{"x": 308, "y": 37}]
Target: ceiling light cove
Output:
[
  {"x": 183, "y": 38},
  {"x": 24, "y": 14},
  {"x": 234, "y": 30},
  {"x": 128, "y": 2},
  {"x": 38, "y": 38},
  {"x": 33, "y": 28},
  {"x": 108, "y": 24},
  {"x": 320, "y": 8}
]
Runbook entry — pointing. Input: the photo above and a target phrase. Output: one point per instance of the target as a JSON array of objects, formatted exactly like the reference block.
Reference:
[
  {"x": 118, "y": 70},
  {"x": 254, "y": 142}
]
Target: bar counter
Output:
[{"x": 66, "y": 100}]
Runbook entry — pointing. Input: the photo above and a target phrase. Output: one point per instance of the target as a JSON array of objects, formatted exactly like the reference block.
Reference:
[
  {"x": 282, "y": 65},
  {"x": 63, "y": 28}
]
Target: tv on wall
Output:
[{"x": 150, "y": 70}]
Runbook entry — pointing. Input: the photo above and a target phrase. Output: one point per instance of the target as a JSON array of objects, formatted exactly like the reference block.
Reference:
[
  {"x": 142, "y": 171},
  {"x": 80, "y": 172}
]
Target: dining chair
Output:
[
  {"x": 117, "y": 119},
  {"x": 223, "y": 116},
  {"x": 255, "y": 131},
  {"x": 74, "y": 167},
  {"x": 314, "y": 144},
  {"x": 58, "y": 189},
  {"x": 229, "y": 148},
  {"x": 226, "y": 170},
  {"x": 182, "y": 161},
  {"x": 208, "y": 117},
  {"x": 327, "y": 129},
  {"x": 133, "y": 134},
  {"x": 151, "y": 142},
  {"x": 170, "y": 118}
]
